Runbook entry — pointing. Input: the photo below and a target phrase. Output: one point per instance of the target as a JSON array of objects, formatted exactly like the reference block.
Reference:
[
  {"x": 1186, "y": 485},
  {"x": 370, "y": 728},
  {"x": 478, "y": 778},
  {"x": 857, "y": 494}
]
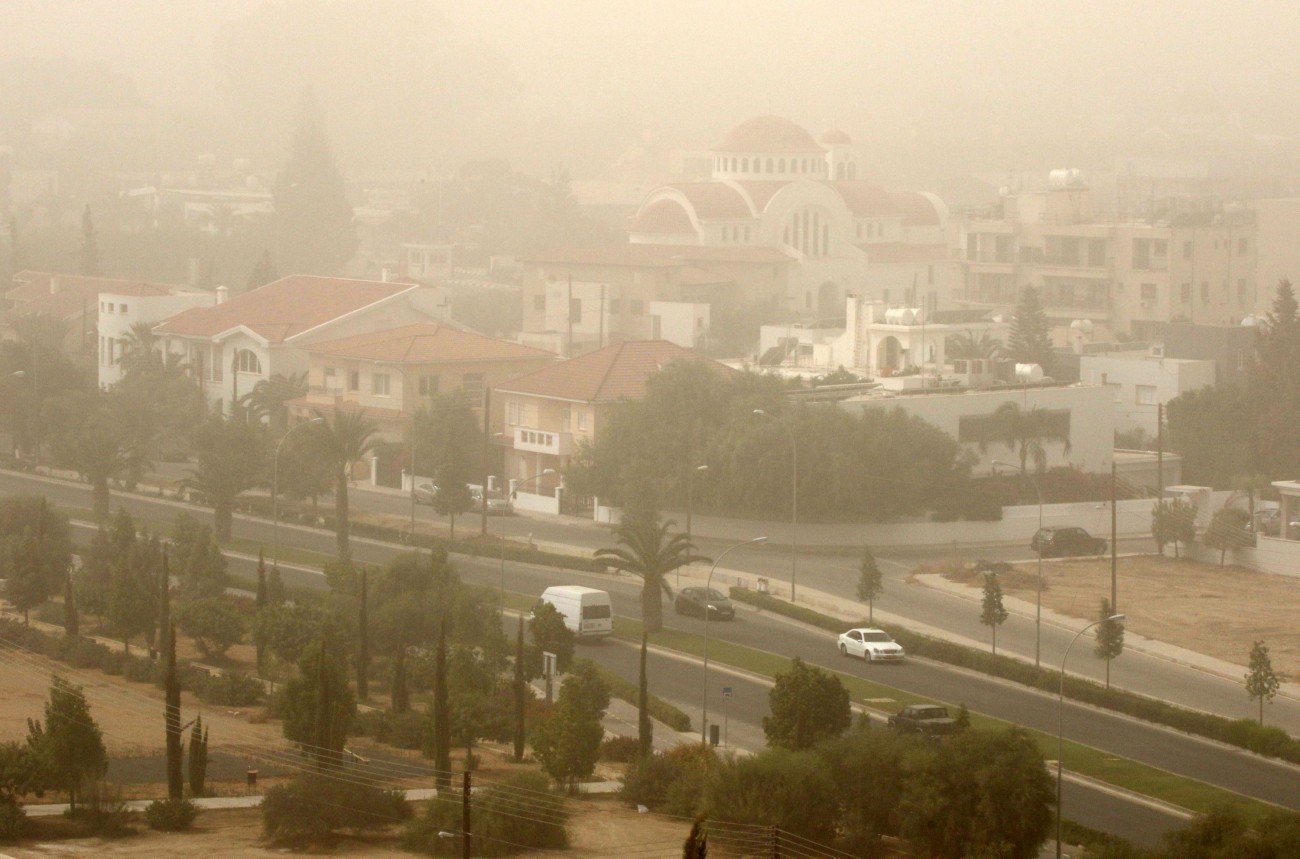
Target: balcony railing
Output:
[{"x": 543, "y": 441}]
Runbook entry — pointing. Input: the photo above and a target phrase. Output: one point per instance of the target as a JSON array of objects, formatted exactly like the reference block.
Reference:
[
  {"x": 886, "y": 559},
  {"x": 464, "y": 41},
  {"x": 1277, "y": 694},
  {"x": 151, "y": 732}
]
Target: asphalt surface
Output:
[
  {"x": 837, "y": 574},
  {"x": 1175, "y": 752}
]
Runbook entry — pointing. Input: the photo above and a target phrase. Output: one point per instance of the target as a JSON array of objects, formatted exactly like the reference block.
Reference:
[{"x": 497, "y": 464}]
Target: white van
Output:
[{"x": 586, "y": 611}]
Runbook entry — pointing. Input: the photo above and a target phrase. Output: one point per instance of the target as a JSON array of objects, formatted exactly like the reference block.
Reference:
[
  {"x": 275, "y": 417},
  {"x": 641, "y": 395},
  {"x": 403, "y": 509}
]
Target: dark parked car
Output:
[
  {"x": 923, "y": 719},
  {"x": 704, "y": 601},
  {"x": 1066, "y": 542}
]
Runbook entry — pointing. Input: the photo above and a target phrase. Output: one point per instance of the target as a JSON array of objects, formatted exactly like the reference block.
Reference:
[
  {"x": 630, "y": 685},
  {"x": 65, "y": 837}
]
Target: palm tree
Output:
[
  {"x": 140, "y": 347},
  {"x": 966, "y": 346},
  {"x": 1026, "y": 433},
  {"x": 344, "y": 438},
  {"x": 95, "y": 433},
  {"x": 266, "y": 402},
  {"x": 232, "y": 459},
  {"x": 647, "y": 549}
]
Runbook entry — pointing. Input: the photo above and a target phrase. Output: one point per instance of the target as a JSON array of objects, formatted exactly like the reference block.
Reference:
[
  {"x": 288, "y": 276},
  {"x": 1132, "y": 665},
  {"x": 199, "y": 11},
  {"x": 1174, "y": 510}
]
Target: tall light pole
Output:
[
  {"x": 275, "y": 484},
  {"x": 690, "y": 501},
  {"x": 405, "y": 387},
  {"x": 1060, "y": 719},
  {"x": 794, "y": 503},
  {"x": 708, "y": 584},
  {"x": 545, "y": 472},
  {"x": 1038, "y": 610}
]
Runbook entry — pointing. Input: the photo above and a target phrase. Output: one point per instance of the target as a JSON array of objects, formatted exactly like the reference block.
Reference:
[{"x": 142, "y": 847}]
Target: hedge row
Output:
[
  {"x": 230, "y": 689},
  {"x": 626, "y": 690},
  {"x": 1243, "y": 733}
]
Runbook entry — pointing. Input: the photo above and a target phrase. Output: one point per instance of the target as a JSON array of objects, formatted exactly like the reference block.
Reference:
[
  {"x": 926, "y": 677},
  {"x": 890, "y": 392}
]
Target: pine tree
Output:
[
  {"x": 644, "y": 727},
  {"x": 88, "y": 254},
  {"x": 1110, "y": 637},
  {"x": 1030, "y": 341},
  {"x": 992, "y": 613},
  {"x": 69, "y": 740},
  {"x": 314, "y": 232},
  {"x": 520, "y": 689},
  {"x": 198, "y": 757},
  {"x": 1262, "y": 682}
]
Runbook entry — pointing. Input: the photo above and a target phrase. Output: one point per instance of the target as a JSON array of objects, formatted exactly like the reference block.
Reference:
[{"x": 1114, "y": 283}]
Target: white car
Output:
[{"x": 873, "y": 645}]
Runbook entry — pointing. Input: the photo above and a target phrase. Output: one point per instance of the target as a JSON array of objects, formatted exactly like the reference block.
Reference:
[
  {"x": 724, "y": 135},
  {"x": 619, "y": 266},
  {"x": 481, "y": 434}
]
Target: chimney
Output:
[{"x": 223, "y": 293}]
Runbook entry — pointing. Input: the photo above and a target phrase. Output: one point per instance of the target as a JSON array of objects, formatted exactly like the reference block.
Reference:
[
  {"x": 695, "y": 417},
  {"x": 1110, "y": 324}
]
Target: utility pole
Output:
[
  {"x": 487, "y": 449},
  {"x": 1114, "y": 540},
  {"x": 568, "y": 314},
  {"x": 464, "y": 815},
  {"x": 1160, "y": 451}
]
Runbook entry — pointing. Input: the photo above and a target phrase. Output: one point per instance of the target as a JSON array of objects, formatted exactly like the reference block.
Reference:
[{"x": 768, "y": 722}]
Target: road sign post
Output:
[{"x": 549, "y": 664}]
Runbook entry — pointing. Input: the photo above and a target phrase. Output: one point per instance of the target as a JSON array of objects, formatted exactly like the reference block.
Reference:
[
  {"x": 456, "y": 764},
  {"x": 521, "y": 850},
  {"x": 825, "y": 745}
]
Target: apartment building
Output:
[{"x": 1126, "y": 277}]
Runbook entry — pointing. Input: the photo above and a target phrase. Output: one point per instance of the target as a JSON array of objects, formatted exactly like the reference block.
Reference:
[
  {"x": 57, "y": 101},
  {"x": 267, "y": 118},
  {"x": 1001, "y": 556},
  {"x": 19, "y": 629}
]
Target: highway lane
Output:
[
  {"x": 1169, "y": 750},
  {"x": 837, "y": 574}
]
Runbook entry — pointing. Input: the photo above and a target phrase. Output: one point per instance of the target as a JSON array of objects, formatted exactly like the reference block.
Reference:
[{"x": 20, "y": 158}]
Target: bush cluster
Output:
[
  {"x": 498, "y": 827},
  {"x": 309, "y": 810},
  {"x": 171, "y": 815},
  {"x": 13, "y": 822},
  {"x": 1242, "y": 733},
  {"x": 403, "y": 730},
  {"x": 620, "y": 750}
]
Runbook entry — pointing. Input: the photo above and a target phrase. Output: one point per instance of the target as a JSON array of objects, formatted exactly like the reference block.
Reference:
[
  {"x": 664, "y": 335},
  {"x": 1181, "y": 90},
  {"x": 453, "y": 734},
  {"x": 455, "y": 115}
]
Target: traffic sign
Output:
[{"x": 726, "y": 691}]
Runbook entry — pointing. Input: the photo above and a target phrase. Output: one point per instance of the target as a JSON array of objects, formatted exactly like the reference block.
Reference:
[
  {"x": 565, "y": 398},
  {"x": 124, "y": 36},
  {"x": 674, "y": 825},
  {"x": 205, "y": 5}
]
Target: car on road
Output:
[
  {"x": 1067, "y": 541},
  {"x": 424, "y": 493},
  {"x": 704, "y": 602},
  {"x": 497, "y": 504},
  {"x": 927, "y": 719},
  {"x": 587, "y": 612},
  {"x": 873, "y": 645}
]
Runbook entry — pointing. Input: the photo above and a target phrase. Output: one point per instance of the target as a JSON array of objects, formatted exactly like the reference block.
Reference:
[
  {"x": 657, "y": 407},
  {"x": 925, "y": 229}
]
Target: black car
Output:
[
  {"x": 1066, "y": 542},
  {"x": 704, "y": 601},
  {"x": 926, "y": 719}
]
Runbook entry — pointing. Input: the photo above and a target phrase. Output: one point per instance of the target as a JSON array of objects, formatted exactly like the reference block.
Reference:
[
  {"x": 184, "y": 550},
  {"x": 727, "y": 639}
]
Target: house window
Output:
[
  {"x": 124, "y": 308},
  {"x": 513, "y": 414},
  {"x": 582, "y": 421},
  {"x": 379, "y": 384},
  {"x": 539, "y": 302},
  {"x": 472, "y": 385},
  {"x": 428, "y": 386},
  {"x": 246, "y": 361},
  {"x": 1145, "y": 395},
  {"x": 354, "y": 380}
]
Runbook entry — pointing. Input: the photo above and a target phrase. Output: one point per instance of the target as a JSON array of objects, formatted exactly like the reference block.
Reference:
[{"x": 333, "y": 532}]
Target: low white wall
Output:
[
  {"x": 1270, "y": 555},
  {"x": 538, "y": 503}
]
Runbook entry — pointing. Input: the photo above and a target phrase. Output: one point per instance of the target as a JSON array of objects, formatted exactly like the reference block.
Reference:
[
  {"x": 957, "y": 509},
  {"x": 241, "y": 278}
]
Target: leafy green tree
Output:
[
  {"x": 869, "y": 769},
  {"x": 112, "y": 541},
  {"x": 777, "y": 787},
  {"x": 198, "y": 758},
  {"x": 201, "y": 566},
  {"x": 214, "y": 623},
  {"x": 232, "y": 458},
  {"x": 344, "y": 438},
  {"x": 289, "y": 628},
  {"x": 314, "y": 233},
  {"x": 981, "y": 793},
  {"x": 158, "y": 396},
  {"x": 1207, "y": 428},
  {"x": 26, "y": 584},
  {"x": 1173, "y": 521},
  {"x": 807, "y": 705},
  {"x": 22, "y": 771},
  {"x": 88, "y": 254},
  {"x": 450, "y": 445},
  {"x": 1228, "y": 530},
  {"x": 133, "y": 594},
  {"x": 649, "y": 550},
  {"x": 1030, "y": 341},
  {"x": 992, "y": 613},
  {"x": 363, "y": 637},
  {"x": 69, "y": 741},
  {"x": 1262, "y": 682},
  {"x": 1275, "y": 392},
  {"x": 441, "y": 710},
  {"x": 1225, "y": 832},
  {"x": 1110, "y": 637},
  {"x": 35, "y": 371},
  {"x": 96, "y": 435},
  {"x": 478, "y": 708},
  {"x": 871, "y": 582},
  {"x": 318, "y": 706},
  {"x": 567, "y": 740},
  {"x": 404, "y": 615},
  {"x": 550, "y": 635}
]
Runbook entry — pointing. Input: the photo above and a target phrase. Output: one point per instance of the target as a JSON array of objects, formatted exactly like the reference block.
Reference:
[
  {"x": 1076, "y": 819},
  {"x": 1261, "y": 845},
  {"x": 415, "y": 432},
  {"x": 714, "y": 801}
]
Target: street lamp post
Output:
[
  {"x": 406, "y": 385},
  {"x": 275, "y": 484},
  {"x": 794, "y": 503},
  {"x": 708, "y": 585},
  {"x": 1038, "y": 610},
  {"x": 1060, "y": 719},
  {"x": 690, "y": 501},
  {"x": 545, "y": 472}
]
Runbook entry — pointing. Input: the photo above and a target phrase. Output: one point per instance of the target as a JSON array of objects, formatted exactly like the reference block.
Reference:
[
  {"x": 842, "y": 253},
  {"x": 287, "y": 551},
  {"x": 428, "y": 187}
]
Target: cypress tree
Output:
[
  {"x": 441, "y": 711},
  {"x": 520, "y": 691},
  {"x": 644, "y": 727},
  {"x": 172, "y": 716},
  {"x": 363, "y": 642},
  {"x": 259, "y": 638},
  {"x": 198, "y": 757},
  {"x": 401, "y": 694},
  {"x": 71, "y": 623},
  {"x": 88, "y": 255}
]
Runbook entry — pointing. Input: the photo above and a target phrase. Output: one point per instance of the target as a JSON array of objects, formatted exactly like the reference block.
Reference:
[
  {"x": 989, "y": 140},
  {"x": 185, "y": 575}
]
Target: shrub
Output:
[
  {"x": 83, "y": 653},
  {"x": 308, "y": 810},
  {"x": 671, "y": 782},
  {"x": 230, "y": 689},
  {"x": 776, "y": 787},
  {"x": 499, "y": 829},
  {"x": 171, "y": 815},
  {"x": 403, "y": 730},
  {"x": 102, "y": 810},
  {"x": 620, "y": 750},
  {"x": 139, "y": 669},
  {"x": 13, "y": 822},
  {"x": 626, "y": 690}
]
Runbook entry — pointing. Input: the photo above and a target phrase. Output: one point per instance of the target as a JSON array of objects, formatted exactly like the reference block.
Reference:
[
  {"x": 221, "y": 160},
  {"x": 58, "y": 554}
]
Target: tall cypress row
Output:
[
  {"x": 363, "y": 642},
  {"x": 441, "y": 711},
  {"x": 172, "y": 716},
  {"x": 520, "y": 691}
]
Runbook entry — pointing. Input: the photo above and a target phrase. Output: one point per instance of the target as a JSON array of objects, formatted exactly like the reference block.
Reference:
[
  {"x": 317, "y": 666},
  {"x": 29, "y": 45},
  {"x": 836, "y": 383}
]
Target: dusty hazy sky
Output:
[{"x": 563, "y": 71}]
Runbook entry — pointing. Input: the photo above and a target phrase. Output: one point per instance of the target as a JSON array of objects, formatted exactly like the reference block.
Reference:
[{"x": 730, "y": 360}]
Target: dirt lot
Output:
[
  {"x": 599, "y": 827},
  {"x": 1213, "y": 610}
]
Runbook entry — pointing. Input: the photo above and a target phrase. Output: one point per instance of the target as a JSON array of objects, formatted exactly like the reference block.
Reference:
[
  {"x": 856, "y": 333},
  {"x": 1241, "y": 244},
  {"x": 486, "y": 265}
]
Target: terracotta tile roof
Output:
[
  {"x": 658, "y": 256},
  {"x": 284, "y": 308},
  {"x": 869, "y": 200},
  {"x": 617, "y": 372},
  {"x": 427, "y": 343},
  {"x": 66, "y": 295},
  {"x": 694, "y": 275},
  {"x": 328, "y": 406},
  {"x": 663, "y": 217},
  {"x": 761, "y": 193},
  {"x": 713, "y": 199}
]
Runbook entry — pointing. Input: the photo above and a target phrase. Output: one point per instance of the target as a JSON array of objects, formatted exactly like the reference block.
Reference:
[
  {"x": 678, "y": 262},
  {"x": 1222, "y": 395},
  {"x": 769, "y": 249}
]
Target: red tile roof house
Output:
[
  {"x": 240, "y": 341},
  {"x": 74, "y": 301},
  {"x": 541, "y": 418}
]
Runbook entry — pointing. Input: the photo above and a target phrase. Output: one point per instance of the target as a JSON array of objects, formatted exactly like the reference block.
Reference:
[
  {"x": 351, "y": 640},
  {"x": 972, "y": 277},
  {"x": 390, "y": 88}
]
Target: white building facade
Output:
[
  {"x": 1140, "y": 382},
  {"x": 119, "y": 314}
]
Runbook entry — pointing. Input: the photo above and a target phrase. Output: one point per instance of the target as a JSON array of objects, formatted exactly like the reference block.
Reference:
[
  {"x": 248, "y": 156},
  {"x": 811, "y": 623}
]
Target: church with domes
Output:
[{"x": 773, "y": 185}]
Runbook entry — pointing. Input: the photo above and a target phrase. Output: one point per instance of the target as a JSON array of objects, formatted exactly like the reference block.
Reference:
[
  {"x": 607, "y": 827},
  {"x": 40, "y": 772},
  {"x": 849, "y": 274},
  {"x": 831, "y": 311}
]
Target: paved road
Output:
[
  {"x": 837, "y": 574},
  {"x": 1158, "y": 747}
]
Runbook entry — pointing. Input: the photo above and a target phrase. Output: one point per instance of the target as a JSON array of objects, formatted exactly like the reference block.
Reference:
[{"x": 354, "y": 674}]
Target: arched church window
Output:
[{"x": 744, "y": 165}]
